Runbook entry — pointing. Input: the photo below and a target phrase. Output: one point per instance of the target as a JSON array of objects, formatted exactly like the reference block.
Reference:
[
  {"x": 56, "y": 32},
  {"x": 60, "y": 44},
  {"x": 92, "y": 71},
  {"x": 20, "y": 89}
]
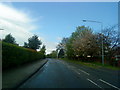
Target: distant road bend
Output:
[{"x": 60, "y": 74}]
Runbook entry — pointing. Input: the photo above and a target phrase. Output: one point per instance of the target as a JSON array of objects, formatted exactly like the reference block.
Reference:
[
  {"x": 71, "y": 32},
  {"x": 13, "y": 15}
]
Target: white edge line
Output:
[
  {"x": 84, "y": 72},
  {"x": 109, "y": 84},
  {"x": 94, "y": 83}
]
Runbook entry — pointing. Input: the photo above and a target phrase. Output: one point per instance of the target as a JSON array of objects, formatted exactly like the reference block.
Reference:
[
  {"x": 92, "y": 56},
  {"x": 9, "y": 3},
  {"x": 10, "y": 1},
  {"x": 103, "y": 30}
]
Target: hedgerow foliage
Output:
[{"x": 13, "y": 55}]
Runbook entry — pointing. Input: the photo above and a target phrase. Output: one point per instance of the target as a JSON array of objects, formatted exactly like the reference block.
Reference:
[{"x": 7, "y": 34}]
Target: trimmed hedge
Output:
[{"x": 13, "y": 55}]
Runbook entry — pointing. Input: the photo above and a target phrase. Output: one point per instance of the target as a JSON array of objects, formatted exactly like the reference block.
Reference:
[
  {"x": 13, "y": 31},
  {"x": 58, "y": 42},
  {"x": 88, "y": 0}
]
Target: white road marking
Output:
[
  {"x": 71, "y": 66},
  {"x": 109, "y": 84},
  {"x": 94, "y": 83},
  {"x": 84, "y": 72},
  {"x": 77, "y": 72}
]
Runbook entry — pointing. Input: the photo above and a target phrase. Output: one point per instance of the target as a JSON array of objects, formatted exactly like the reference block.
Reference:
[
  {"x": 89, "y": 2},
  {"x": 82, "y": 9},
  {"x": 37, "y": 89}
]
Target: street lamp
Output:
[
  {"x": 1, "y": 29},
  {"x": 102, "y": 36}
]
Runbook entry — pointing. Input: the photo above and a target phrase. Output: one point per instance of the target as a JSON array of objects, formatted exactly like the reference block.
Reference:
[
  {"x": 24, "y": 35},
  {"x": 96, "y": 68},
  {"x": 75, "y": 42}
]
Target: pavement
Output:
[
  {"x": 61, "y": 74},
  {"x": 13, "y": 78}
]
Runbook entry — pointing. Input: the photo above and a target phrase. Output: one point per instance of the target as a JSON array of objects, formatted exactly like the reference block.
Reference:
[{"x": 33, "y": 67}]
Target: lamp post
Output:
[
  {"x": 1, "y": 30},
  {"x": 102, "y": 36}
]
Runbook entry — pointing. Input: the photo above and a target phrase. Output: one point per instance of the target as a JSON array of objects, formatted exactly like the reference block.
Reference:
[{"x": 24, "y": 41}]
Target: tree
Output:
[
  {"x": 111, "y": 35},
  {"x": 9, "y": 39},
  {"x": 53, "y": 54},
  {"x": 110, "y": 43},
  {"x": 26, "y": 45},
  {"x": 110, "y": 40},
  {"x": 81, "y": 43},
  {"x": 43, "y": 49},
  {"x": 34, "y": 42},
  {"x": 62, "y": 46},
  {"x": 61, "y": 53},
  {"x": 84, "y": 43},
  {"x": 69, "y": 49}
]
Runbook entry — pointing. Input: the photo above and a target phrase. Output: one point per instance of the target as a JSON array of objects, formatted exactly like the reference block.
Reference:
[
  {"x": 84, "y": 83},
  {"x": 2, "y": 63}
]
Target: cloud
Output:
[
  {"x": 20, "y": 24},
  {"x": 50, "y": 46},
  {"x": 16, "y": 22},
  {"x": 59, "y": 38}
]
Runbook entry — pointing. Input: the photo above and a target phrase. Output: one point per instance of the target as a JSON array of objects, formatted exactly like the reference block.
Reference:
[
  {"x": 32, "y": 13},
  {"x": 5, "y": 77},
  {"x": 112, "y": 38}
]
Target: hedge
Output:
[{"x": 13, "y": 55}]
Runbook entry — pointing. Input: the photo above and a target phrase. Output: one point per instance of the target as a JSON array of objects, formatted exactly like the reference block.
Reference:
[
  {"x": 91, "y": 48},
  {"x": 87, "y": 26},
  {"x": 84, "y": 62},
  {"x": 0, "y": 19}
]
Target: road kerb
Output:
[{"x": 30, "y": 75}]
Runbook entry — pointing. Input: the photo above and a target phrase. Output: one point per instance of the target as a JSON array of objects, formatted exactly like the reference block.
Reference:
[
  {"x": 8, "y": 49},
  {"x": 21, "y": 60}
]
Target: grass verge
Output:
[{"x": 92, "y": 64}]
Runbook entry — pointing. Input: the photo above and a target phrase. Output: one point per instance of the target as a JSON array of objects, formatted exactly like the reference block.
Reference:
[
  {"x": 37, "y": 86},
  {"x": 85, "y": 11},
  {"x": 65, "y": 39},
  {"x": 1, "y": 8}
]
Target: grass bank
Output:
[{"x": 92, "y": 64}]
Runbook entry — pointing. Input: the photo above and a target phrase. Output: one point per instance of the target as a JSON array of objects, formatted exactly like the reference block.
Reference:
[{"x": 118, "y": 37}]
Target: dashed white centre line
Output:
[
  {"x": 109, "y": 84},
  {"x": 76, "y": 71},
  {"x": 94, "y": 83},
  {"x": 83, "y": 71}
]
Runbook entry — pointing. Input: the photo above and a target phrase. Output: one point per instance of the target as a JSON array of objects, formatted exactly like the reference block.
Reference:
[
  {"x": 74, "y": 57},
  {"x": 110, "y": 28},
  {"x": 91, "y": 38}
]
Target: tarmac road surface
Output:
[{"x": 61, "y": 74}]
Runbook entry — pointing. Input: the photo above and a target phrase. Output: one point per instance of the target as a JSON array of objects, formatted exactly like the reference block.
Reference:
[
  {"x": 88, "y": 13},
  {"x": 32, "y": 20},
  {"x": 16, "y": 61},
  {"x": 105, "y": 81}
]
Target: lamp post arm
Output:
[{"x": 91, "y": 21}]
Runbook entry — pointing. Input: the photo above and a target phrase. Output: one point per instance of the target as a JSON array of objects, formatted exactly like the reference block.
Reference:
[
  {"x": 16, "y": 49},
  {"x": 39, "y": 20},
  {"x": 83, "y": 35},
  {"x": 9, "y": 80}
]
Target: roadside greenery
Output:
[
  {"x": 33, "y": 43},
  {"x": 42, "y": 51},
  {"x": 14, "y": 55},
  {"x": 53, "y": 54},
  {"x": 94, "y": 65},
  {"x": 9, "y": 39},
  {"x": 84, "y": 45}
]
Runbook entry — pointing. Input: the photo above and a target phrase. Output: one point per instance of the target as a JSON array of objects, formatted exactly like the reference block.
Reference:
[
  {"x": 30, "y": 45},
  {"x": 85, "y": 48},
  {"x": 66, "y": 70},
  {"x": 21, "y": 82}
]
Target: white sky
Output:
[
  {"x": 20, "y": 24},
  {"x": 15, "y": 22}
]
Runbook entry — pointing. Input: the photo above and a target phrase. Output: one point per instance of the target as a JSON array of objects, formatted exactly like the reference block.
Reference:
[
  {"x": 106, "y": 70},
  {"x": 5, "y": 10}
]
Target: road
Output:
[{"x": 61, "y": 74}]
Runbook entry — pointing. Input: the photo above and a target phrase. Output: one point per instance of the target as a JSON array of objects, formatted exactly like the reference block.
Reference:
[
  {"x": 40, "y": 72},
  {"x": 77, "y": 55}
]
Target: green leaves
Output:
[
  {"x": 9, "y": 39},
  {"x": 14, "y": 55},
  {"x": 86, "y": 45},
  {"x": 34, "y": 42},
  {"x": 81, "y": 43},
  {"x": 53, "y": 54}
]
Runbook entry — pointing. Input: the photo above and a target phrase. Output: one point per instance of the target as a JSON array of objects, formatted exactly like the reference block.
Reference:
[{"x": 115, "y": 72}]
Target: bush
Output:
[{"x": 13, "y": 55}]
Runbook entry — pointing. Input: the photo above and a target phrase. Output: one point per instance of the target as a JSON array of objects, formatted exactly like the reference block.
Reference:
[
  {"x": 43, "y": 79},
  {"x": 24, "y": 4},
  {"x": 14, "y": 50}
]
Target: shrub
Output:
[{"x": 13, "y": 55}]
